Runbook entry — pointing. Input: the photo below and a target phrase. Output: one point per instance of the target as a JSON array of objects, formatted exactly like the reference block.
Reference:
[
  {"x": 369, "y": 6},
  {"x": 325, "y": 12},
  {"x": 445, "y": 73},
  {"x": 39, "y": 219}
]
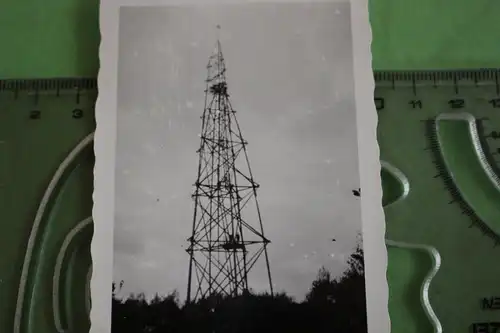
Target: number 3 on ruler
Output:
[
  {"x": 456, "y": 103},
  {"x": 35, "y": 114},
  {"x": 77, "y": 113}
]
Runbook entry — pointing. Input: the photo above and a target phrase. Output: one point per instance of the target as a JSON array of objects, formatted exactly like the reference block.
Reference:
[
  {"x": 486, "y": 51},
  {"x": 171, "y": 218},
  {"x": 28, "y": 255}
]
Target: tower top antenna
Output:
[
  {"x": 218, "y": 28},
  {"x": 218, "y": 47}
]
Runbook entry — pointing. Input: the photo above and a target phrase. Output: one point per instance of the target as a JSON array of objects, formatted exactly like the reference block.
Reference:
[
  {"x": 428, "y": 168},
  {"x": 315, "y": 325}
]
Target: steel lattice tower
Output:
[{"x": 224, "y": 245}]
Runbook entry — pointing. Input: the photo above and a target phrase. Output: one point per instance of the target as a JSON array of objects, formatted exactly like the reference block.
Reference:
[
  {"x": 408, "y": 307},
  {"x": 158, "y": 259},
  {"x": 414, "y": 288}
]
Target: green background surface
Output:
[
  {"x": 60, "y": 38},
  {"x": 55, "y": 38}
]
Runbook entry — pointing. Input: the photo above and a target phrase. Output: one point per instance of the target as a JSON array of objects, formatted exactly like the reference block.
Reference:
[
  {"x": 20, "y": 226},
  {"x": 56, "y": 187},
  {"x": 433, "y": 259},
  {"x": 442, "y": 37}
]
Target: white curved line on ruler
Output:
[
  {"x": 88, "y": 302},
  {"x": 424, "y": 291},
  {"x": 475, "y": 141},
  {"x": 36, "y": 226},
  {"x": 58, "y": 270},
  {"x": 429, "y": 249},
  {"x": 400, "y": 176}
]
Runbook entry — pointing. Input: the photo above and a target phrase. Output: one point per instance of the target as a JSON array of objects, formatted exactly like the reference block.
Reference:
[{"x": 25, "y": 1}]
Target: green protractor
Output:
[
  {"x": 46, "y": 133},
  {"x": 438, "y": 134}
]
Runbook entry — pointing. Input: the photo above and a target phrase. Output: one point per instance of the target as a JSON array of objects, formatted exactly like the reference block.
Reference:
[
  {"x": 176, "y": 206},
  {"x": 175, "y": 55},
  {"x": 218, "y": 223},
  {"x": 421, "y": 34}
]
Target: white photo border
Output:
[{"x": 373, "y": 221}]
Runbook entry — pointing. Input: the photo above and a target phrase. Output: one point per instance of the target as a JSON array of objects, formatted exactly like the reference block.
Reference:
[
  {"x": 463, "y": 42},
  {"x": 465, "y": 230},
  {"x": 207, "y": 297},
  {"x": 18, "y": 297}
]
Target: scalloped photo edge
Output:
[{"x": 107, "y": 138}]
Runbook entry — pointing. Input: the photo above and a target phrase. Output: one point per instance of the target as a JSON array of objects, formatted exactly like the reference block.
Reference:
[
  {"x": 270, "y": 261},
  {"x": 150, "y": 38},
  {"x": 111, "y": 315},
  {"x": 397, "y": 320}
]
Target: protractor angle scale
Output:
[{"x": 439, "y": 138}]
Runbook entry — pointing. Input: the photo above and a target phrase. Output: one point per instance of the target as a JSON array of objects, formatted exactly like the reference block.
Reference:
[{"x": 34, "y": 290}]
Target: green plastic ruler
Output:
[
  {"x": 439, "y": 136},
  {"x": 46, "y": 181}
]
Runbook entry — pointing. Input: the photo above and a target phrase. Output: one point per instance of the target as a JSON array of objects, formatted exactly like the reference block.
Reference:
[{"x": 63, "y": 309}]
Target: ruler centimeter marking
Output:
[
  {"x": 455, "y": 78},
  {"x": 414, "y": 79},
  {"x": 56, "y": 84},
  {"x": 18, "y": 91}
]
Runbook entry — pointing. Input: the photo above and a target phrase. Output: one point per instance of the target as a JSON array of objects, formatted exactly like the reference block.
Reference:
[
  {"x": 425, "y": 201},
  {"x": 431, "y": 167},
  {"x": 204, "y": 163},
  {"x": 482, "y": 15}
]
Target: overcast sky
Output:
[{"x": 290, "y": 76}]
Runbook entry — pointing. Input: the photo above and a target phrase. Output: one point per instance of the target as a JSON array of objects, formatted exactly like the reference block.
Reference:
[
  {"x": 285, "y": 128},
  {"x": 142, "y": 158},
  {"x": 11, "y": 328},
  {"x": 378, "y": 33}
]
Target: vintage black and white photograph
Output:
[{"x": 237, "y": 191}]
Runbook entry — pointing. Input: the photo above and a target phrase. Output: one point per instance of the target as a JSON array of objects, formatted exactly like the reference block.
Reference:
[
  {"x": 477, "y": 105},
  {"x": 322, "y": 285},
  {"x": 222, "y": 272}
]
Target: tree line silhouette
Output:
[{"x": 333, "y": 305}]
